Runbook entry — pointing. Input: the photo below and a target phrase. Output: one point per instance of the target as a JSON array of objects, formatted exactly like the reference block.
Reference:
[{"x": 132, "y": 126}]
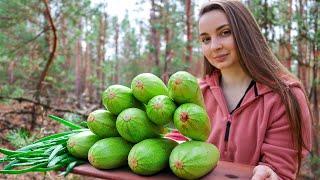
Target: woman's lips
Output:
[{"x": 220, "y": 57}]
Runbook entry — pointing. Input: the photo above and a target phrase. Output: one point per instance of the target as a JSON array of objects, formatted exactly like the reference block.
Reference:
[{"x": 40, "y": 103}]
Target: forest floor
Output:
[{"x": 19, "y": 115}]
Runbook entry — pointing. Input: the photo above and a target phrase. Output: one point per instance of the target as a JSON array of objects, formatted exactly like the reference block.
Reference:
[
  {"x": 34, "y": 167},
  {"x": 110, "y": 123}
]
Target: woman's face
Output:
[{"x": 218, "y": 44}]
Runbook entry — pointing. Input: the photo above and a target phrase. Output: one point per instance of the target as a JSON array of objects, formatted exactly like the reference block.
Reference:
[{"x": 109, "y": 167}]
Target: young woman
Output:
[{"x": 259, "y": 111}]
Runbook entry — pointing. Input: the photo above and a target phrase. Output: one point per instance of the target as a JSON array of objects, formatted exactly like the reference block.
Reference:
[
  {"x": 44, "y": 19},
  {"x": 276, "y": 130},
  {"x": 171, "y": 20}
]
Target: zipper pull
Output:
[{"x": 226, "y": 135}]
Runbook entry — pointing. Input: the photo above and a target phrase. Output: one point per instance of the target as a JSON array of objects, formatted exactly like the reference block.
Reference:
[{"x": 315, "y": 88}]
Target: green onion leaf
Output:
[{"x": 65, "y": 122}]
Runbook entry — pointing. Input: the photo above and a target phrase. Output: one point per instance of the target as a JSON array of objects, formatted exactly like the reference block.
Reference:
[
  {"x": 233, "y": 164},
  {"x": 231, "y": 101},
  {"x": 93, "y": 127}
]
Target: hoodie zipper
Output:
[
  {"x": 228, "y": 125},
  {"x": 227, "y": 132},
  {"x": 229, "y": 122},
  {"x": 229, "y": 117}
]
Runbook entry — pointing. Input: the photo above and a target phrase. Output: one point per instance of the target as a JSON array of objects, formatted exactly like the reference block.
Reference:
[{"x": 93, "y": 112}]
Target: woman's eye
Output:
[
  {"x": 226, "y": 33},
  {"x": 205, "y": 40}
]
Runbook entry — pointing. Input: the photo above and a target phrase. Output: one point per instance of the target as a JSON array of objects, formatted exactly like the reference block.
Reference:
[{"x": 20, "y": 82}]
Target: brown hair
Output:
[{"x": 258, "y": 61}]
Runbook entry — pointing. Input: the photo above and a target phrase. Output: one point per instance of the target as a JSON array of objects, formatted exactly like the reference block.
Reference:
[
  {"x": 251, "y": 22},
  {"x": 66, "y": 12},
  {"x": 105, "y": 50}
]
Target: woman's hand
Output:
[{"x": 262, "y": 172}]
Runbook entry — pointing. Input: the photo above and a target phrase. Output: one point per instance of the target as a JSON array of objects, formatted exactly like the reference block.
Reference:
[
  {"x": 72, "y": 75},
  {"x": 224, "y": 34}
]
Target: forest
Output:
[{"x": 58, "y": 56}]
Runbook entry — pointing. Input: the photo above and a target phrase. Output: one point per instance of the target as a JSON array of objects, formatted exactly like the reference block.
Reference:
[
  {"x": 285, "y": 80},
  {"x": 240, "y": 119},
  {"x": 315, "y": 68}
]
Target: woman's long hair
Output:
[{"x": 258, "y": 61}]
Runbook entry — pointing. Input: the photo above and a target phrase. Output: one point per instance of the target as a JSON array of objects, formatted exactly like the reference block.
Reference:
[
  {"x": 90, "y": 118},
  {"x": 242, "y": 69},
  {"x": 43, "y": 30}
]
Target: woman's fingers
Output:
[{"x": 262, "y": 172}]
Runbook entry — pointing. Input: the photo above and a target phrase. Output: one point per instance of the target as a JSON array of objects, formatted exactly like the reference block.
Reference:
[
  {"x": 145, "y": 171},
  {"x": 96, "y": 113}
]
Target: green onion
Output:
[
  {"x": 57, "y": 159},
  {"x": 22, "y": 170},
  {"x": 46, "y": 154},
  {"x": 58, "y": 149},
  {"x": 8, "y": 151},
  {"x": 65, "y": 122}
]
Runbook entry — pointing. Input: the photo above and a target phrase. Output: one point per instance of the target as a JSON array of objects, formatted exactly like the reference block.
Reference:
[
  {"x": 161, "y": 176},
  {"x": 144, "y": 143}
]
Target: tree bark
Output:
[
  {"x": 315, "y": 124},
  {"x": 78, "y": 68},
  {"x": 168, "y": 50},
  {"x": 303, "y": 63},
  {"x": 168, "y": 55},
  {"x": 10, "y": 72},
  {"x": 285, "y": 52},
  {"x": 265, "y": 19},
  {"x": 52, "y": 53},
  {"x": 101, "y": 51},
  {"x": 88, "y": 95},
  {"x": 155, "y": 35},
  {"x": 314, "y": 94},
  {"x": 64, "y": 43},
  {"x": 189, "y": 32},
  {"x": 117, "y": 60},
  {"x": 105, "y": 27}
]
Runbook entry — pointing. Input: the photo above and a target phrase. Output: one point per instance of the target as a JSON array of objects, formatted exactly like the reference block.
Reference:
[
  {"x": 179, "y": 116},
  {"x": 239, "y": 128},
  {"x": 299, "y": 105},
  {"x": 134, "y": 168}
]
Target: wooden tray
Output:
[{"x": 224, "y": 170}]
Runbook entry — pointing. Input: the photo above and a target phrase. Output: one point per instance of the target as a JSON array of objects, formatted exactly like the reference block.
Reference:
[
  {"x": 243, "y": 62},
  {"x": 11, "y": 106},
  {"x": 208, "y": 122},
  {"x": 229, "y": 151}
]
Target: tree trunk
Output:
[
  {"x": 188, "y": 55},
  {"x": 285, "y": 52},
  {"x": 315, "y": 124},
  {"x": 105, "y": 27},
  {"x": 168, "y": 55},
  {"x": 155, "y": 35},
  {"x": 78, "y": 68},
  {"x": 52, "y": 51},
  {"x": 117, "y": 60},
  {"x": 101, "y": 52},
  {"x": 314, "y": 90},
  {"x": 265, "y": 19},
  {"x": 288, "y": 36},
  {"x": 64, "y": 44},
  {"x": 302, "y": 41},
  {"x": 10, "y": 72},
  {"x": 89, "y": 72},
  {"x": 47, "y": 33},
  {"x": 168, "y": 50}
]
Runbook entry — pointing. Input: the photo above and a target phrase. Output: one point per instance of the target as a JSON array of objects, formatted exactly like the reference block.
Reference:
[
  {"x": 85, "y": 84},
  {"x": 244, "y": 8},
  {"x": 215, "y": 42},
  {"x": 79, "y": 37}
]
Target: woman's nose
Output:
[{"x": 215, "y": 44}]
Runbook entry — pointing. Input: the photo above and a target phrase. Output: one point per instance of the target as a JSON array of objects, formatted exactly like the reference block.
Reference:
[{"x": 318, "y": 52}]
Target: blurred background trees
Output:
[{"x": 95, "y": 49}]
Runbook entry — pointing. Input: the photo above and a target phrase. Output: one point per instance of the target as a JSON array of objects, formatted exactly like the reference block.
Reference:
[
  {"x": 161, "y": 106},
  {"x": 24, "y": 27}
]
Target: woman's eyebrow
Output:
[
  {"x": 222, "y": 26},
  {"x": 202, "y": 34},
  {"x": 218, "y": 29}
]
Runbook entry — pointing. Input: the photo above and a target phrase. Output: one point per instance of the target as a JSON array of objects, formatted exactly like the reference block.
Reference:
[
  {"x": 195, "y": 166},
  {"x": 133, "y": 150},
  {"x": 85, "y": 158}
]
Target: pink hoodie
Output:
[{"x": 259, "y": 131}]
